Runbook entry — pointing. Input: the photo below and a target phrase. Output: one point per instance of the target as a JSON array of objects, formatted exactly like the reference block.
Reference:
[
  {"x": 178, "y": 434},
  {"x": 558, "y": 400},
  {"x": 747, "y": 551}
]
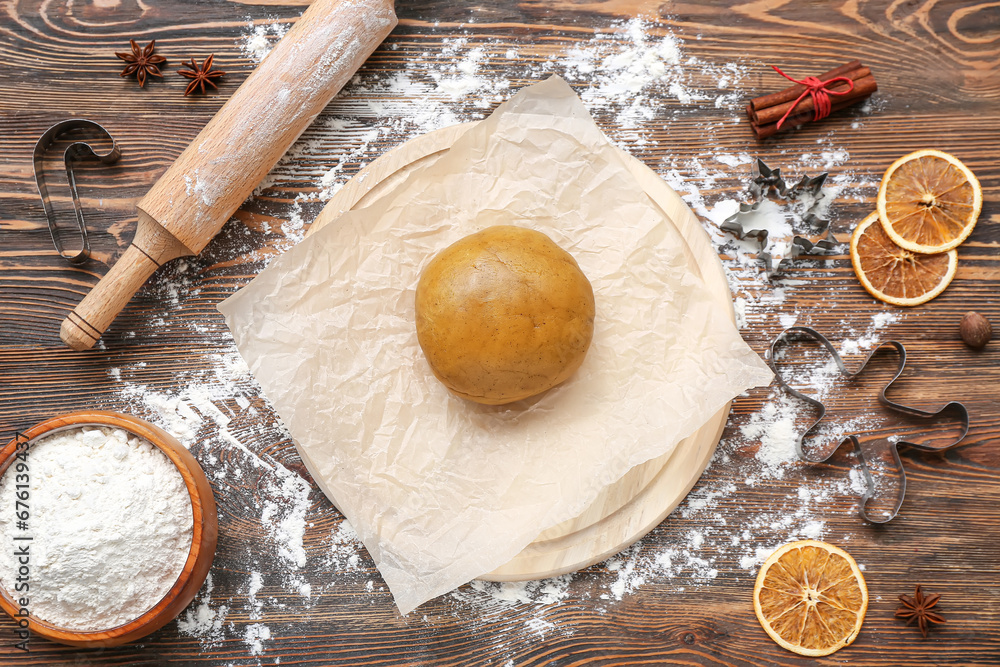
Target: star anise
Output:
[
  {"x": 919, "y": 607},
  {"x": 200, "y": 75},
  {"x": 141, "y": 61}
]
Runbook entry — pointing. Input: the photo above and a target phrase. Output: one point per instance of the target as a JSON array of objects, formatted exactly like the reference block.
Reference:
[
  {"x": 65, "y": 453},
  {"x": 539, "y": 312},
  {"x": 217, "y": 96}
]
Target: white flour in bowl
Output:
[{"x": 110, "y": 525}]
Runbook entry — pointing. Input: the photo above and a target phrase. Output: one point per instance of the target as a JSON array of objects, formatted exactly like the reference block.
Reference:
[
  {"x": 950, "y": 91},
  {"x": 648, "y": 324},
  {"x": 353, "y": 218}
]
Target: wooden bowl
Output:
[{"x": 199, "y": 560}]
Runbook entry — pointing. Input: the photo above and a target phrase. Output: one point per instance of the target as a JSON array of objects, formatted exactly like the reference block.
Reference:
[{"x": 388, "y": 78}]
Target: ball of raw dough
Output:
[{"x": 504, "y": 314}]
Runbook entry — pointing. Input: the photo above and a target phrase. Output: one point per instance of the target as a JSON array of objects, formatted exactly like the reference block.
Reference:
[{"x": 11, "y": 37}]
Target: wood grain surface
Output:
[{"x": 938, "y": 68}]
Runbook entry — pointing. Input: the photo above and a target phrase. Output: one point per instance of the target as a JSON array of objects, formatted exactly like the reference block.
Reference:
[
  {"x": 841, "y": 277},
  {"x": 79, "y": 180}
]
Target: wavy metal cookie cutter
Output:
[
  {"x": 75, "y": 151},
  {"x": 957, "y": 409}
]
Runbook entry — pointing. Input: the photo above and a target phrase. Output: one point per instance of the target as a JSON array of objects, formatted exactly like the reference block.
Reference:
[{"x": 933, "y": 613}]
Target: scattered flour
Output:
[
  {"x": 219, "y": 414},
  {"x": 632, "y": 74},
  {"x": 255, "y": 635},
  {"x": 774, "y": 428},
  {"x": 545, "y": 591},
  {"x": 858, "y": 341},
  {"x": 345, "y": 549},
  {"x": 260, "y": 38},
  {"x": 201, "y": 619}
]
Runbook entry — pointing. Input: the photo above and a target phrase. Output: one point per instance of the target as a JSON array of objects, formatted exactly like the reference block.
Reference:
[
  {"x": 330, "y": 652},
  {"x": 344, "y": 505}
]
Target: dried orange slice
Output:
[
  {"x": 929, "y": 201},
  {"x": 811, "y": 598},
  {"x": 896, "y": 275}
]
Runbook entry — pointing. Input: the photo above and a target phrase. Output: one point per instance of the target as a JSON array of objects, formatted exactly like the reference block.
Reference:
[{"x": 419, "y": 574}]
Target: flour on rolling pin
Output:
[
  {"x": 248, "y": 136},
  {"x": 219, "y": 169}
]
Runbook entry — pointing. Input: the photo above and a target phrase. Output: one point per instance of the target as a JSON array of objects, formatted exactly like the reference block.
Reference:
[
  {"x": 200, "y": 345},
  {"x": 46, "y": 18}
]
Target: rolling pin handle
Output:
[{"x": 152, "y": 247}]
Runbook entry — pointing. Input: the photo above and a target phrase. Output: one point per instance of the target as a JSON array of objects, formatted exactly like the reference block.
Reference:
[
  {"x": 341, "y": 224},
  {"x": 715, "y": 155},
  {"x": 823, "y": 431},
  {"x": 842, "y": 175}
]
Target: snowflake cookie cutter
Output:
[
  {"x": 954, "y": 408},
  {"x": 768, "y": 182}
]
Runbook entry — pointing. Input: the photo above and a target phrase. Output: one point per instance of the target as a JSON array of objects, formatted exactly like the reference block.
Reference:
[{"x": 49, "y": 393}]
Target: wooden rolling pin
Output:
[{"x": 219, "y": 169}]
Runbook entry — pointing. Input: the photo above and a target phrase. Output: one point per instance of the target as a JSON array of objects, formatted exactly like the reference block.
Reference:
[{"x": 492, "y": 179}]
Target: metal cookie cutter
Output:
[
  {"x": 956, "y": 409},
  {"x": 812, "y": 234},
  {"x": 75, "y": 151}
]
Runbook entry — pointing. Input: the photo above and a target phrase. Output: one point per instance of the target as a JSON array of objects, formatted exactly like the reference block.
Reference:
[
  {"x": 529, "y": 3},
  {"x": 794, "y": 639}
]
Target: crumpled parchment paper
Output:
[{"x": 441, "y": 490}]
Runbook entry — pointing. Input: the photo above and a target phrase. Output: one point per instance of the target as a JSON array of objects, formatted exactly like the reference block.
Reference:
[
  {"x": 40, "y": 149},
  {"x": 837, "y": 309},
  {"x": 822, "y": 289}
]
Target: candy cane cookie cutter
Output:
[{"x": 77, "y": 150}]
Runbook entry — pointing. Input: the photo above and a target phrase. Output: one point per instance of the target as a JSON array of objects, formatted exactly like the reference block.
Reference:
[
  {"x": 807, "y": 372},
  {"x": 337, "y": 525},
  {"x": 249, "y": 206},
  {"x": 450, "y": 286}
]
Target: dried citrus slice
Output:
[
  {"x": 896, "y": 275},
  {"x": 929, "y": 201},
  {"x": 811, "y": 598}
]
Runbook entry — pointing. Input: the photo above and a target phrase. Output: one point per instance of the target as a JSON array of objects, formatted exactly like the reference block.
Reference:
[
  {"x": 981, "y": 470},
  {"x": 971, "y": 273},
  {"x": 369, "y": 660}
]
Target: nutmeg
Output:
[{"x": 976, "y": 330}]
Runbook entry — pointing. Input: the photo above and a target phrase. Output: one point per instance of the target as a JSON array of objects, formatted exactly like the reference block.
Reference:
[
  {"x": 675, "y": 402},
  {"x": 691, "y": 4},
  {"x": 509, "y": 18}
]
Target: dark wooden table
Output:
[{"x": 683, "y": 595}]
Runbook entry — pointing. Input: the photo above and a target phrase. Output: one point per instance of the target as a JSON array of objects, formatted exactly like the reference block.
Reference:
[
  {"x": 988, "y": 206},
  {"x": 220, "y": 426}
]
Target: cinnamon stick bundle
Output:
[{"x": 766, "y": 111}]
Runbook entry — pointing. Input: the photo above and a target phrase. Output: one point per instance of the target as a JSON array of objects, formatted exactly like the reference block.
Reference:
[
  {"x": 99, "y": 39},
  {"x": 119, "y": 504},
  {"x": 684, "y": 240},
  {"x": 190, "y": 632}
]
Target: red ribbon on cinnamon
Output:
[{"x": 818, "y": 91}]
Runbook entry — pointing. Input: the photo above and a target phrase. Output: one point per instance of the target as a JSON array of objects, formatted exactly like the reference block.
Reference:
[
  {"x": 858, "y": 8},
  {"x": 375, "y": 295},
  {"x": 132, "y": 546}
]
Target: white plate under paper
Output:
[{"x": 640, "y": 500}]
